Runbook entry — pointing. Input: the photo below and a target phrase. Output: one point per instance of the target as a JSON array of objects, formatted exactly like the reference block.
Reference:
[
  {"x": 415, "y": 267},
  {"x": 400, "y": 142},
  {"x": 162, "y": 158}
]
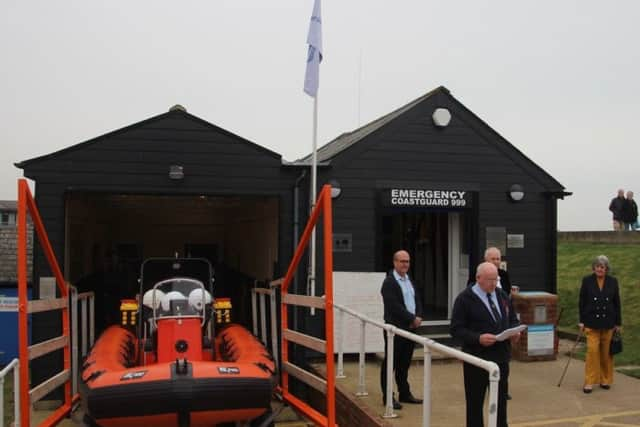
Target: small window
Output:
[{"x": 8, "y": 218}]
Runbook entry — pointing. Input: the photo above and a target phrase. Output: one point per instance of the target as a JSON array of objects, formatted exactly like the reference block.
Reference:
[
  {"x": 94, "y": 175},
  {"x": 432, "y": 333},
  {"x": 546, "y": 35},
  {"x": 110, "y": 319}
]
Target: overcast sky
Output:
[{"x": 558, "y": 79}]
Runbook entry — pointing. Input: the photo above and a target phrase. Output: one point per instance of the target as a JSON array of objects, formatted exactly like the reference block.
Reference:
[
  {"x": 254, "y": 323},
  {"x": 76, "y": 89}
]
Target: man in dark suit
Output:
[
  {"x": 494, "y": 256},
  {"x": 480, "y": 312},
  {"x": 403, "y": 309}
]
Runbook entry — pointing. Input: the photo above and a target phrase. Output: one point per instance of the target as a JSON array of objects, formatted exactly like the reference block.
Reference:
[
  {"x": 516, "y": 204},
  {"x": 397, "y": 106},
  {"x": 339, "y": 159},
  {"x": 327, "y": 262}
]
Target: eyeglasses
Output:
[{"x": 404, "y": 261}]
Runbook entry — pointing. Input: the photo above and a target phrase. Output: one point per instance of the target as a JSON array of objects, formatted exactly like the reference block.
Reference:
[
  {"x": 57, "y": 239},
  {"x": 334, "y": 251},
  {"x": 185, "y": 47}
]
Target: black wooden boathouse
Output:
[{"x": 431, "y": 177}]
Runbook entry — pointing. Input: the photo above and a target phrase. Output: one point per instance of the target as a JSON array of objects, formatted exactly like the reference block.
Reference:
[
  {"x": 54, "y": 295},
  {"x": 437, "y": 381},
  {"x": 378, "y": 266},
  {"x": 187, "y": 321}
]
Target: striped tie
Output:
[{"x": 494, "y": 309}]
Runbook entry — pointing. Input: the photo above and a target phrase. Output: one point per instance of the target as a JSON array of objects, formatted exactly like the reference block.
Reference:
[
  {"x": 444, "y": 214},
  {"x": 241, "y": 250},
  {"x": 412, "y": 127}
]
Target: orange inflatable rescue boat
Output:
[{"x": 173, "y": 368}]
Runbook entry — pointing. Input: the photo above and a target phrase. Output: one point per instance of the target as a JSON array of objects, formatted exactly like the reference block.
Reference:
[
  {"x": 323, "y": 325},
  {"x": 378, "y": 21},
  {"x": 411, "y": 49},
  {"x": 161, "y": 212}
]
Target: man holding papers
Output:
[{"x": 480, "y": 313}]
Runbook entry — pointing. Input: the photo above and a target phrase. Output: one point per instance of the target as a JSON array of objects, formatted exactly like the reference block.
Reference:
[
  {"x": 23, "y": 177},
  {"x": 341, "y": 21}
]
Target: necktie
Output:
[{"x": 494, "y": 309}]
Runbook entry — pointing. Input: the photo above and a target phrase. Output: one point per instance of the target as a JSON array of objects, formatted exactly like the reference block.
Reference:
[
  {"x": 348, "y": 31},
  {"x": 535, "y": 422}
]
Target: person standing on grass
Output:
[
  {"x": 600, "y": 317},
  {"x": 630, "y": 212},
  {"x": 616, "y": 206}
]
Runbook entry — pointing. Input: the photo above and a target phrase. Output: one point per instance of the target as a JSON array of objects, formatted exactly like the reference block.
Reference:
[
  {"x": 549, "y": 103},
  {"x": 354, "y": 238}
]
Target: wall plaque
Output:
[{"x": 515, "y": 240}]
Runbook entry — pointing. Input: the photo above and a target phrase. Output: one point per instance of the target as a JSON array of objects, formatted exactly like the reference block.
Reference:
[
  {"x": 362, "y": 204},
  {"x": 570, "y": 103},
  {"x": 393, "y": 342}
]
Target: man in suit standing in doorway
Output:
[
  {"x": 494, "y": 256},
  {"x": 481, "y": 312},
  {"x": 403, "y": 309}
]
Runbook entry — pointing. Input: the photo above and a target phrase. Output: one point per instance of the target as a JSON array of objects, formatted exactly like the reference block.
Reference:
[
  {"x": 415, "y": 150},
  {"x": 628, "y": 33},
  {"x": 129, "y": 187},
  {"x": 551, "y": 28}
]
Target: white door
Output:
[{"x": 458, "y": 261}]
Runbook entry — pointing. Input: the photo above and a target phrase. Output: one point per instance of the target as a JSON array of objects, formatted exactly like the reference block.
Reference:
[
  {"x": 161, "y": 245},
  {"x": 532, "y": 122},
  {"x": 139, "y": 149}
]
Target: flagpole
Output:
[
  {"x": 311, "y": 283},
  {"x": 311, "y": 83}
]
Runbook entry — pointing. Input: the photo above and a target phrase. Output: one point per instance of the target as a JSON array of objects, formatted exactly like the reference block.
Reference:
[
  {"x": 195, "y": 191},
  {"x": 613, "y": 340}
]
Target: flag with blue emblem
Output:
[{"x": 314, "y": 56}]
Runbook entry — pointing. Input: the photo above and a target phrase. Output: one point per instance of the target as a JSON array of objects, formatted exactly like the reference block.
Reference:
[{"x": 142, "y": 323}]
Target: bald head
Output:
[
  {"x": 493, "y": 256},
  {"x": 487, "y": 276},
  {"x": 401, "y": 260},
  {"x": 399, "y": 254}
]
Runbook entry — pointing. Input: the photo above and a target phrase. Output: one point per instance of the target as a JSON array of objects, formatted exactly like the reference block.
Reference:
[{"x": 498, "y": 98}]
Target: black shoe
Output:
[
  {"x": 410, "y": 399},
  {"x": 605, "y": 386},
  {"x": 587, "y": 390},
  {"x": 394, "y": 402},
  {"x": 509, "y": 396}
]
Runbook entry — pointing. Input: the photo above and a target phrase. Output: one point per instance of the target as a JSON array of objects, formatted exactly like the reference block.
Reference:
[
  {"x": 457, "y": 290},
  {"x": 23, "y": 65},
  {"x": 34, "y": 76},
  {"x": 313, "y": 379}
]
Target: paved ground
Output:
[{"x": 537, "y": 400}]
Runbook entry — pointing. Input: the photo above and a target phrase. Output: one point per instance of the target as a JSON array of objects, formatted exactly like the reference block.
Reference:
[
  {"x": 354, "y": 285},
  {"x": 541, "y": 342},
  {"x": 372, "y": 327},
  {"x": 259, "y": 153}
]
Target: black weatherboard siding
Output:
[
  {"x": 136, "y": 160},
  {"x": 406, "y": 150},
  {"x": 403, "y": 149}
]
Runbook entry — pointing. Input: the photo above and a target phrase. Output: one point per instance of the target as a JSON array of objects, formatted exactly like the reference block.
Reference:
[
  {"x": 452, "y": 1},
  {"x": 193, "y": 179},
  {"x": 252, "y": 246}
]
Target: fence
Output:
[
  {"x": 86, "y": 339},
  {"x": 258, "y": 298},
  {"x": 66, "y": 305},
  {"x": 428, "y": 345},
  {"x": 86, "y": 301},
  {"x": 260, "y": 315}
]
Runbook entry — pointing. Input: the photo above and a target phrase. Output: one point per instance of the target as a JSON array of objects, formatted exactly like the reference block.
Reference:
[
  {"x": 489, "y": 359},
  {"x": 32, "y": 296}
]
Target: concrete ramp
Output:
[{"x": 537, "y": 400}]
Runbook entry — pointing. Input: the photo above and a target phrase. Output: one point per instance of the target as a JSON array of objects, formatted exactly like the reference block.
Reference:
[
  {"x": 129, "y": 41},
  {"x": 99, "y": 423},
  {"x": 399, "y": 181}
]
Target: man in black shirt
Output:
[{"x": 616, "y": 206}]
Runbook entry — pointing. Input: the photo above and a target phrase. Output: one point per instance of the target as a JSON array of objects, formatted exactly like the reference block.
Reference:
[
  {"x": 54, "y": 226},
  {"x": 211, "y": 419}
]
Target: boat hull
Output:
[{"x": 118, "y": 392}]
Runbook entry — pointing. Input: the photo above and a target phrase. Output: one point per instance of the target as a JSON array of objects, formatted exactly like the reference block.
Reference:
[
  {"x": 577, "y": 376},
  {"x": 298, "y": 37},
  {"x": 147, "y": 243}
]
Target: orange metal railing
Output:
[
  {"x": 327, "y": 386},
  {"x": 26, "y": 205}
]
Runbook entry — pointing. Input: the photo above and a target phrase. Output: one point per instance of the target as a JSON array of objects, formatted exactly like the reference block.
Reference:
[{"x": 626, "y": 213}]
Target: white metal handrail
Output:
[
  {"x": 258, "y": 299},
  {"x": 86, "y": 329},
  {"x": 15, "y": 366},
  {"x": 429, "y": 345}
]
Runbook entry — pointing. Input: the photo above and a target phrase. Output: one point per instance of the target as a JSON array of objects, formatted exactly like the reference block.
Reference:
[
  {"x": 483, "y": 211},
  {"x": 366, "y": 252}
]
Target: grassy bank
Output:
[
  {"x": 8, "y": 399},
  {"x": 574, "y": 262}
]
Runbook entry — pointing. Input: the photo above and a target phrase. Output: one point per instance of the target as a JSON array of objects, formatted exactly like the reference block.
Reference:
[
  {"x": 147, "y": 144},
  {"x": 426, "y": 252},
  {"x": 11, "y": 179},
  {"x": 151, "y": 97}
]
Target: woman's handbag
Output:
[{"x": 616, "y": 343}]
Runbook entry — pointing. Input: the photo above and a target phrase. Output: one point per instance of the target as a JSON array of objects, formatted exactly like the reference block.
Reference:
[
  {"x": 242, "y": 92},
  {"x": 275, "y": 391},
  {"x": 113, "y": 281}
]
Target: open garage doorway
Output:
[{"x": 108, "y": 236}]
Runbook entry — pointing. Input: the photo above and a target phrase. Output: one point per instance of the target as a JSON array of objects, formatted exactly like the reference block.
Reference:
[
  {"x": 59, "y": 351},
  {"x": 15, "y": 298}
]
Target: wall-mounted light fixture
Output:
[
  {"x": 176, "y": 172},
  {"x": 335, "y": 188},
  {"x": 441, "y": 117},
  {"x": 516, "y": 192}
]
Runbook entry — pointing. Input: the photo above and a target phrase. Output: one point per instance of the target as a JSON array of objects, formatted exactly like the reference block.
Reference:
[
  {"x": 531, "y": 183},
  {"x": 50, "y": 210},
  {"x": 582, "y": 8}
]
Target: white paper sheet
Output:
[{"x": 508, "y": 333}]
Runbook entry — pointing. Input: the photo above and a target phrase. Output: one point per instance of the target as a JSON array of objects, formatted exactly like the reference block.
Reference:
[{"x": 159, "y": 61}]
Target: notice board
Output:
[{"x": 359, "y": 291}]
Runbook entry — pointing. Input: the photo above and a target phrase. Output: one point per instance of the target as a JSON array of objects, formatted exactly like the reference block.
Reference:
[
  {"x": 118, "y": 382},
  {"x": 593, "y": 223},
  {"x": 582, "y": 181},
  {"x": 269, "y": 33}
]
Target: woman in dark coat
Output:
[{"x": 599, "y": 317}]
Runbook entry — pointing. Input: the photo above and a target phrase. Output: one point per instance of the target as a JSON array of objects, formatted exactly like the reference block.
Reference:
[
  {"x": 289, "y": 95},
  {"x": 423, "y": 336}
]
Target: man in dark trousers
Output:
[
  {"x": 630, "y": 212},
  {"x": 616, "y": 206},
  {"x": 481, "y": 312},
  {"x": 494, "y": 256},
  {"x": 403, "y": 309}
]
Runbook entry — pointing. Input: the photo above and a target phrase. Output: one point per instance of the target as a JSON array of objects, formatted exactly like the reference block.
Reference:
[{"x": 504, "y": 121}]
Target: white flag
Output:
[{"x": 314, "y": 56}]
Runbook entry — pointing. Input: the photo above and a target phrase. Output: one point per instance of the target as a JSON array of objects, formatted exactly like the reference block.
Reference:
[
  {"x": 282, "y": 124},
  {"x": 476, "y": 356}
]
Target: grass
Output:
[
  {"x": 631, "y": 372},
  {"x": 574, "y": 262},
  {"x": 8, "y": 399}
]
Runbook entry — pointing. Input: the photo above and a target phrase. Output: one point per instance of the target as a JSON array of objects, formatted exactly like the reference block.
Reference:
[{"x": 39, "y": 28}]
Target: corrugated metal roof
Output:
[{"x": 347, "y": 139}]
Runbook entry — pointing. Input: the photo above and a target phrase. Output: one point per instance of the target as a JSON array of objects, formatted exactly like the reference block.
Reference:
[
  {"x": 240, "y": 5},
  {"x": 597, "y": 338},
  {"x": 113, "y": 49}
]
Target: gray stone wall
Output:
[
  {"x": 631, "y": 237},
  {"x": 8, "y": 253}
]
